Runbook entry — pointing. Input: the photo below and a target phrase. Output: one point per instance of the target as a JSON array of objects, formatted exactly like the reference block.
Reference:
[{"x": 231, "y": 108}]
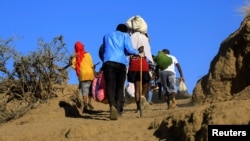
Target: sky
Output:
[{"x": 192, "y": 30}]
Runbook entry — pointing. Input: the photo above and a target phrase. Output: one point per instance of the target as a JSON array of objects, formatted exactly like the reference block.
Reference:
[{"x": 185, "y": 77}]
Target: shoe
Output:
[
  {"x": 150, "y": 103},
  {"x": 137, "y": 110},
  {"x": 113, "y": 113},
  {"x": 85, "y": 109},
  {"x": 121, "y": 112},
  {"x": 90, "y": 106}
]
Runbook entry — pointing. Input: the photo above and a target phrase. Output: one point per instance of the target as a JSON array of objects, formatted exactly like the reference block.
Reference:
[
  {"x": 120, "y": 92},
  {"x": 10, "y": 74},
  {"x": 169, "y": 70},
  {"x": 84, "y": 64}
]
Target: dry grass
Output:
[{"x": 245, "y": 9}]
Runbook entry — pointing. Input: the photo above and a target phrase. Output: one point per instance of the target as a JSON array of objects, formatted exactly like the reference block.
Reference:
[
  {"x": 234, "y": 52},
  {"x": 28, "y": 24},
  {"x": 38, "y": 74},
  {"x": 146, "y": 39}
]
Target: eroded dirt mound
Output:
[
  {"x": 229, "y": 70},
  {"x": 192, "y": 123}
]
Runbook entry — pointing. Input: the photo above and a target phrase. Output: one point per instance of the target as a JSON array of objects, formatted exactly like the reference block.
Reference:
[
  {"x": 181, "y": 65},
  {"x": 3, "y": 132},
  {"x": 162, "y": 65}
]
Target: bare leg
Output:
[
  {"x": 143, "y": 98},
  {"x": 167, "y": 99},
  {"x": 90, "y": 103},
  {"x": 173, "y": 100},
  {"x": 85, "y": 103},
  {"x": 145, "y": 89},
  {"x": 159, "y": 90},
  {"x": 137, "y": 95}
]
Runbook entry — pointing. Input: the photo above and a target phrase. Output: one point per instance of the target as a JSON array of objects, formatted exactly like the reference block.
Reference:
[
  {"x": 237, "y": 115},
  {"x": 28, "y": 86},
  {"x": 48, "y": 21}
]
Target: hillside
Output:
[
  {"x": 222, "y": 96},
  {"x": 50, "y": 122}
]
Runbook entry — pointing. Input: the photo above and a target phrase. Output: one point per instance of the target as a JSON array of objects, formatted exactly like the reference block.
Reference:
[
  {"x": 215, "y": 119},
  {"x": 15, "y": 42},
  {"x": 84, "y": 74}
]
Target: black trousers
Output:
[{"x": 115, "y": 76}]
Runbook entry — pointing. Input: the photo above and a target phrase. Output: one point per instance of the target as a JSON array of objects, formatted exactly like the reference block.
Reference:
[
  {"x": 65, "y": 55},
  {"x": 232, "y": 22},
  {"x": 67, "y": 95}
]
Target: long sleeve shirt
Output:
[{"x": 116, "y": 46}]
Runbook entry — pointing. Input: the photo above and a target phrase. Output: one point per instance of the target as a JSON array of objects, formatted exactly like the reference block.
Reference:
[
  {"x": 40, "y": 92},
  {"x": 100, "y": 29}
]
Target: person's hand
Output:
[
  {"x": 141, "y": 49},
  {"x": 182, "y": 79},
  {"x": 97, "y": 74},
  {"x": 71, "y": 57},
  {"x": 141, "y": 55}
]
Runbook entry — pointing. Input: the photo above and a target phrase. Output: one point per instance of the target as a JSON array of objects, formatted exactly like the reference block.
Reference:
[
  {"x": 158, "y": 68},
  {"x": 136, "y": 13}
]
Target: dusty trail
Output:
[{"x": 50, "y": 122}]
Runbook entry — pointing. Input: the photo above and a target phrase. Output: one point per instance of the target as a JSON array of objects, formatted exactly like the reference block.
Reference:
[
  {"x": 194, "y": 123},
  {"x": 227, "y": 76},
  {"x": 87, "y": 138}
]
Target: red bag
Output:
[
  {"x": 135, "y": 63},
  {"x": 98, "y": 89}
]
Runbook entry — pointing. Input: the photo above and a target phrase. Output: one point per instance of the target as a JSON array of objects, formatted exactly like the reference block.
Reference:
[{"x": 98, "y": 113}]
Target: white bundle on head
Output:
[{"x": 137, "y": 24}]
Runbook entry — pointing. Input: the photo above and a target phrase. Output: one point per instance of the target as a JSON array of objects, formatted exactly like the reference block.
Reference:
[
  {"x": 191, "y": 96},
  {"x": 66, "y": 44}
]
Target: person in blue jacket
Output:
[{"x": 117, "y": 46}]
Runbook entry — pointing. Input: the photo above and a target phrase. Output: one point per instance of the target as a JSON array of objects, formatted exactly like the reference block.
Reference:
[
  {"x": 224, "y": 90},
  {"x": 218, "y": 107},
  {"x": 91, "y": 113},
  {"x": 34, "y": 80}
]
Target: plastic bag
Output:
[
  {"x": 130, "y": 89},
  {"x": 182, "y": 88}
]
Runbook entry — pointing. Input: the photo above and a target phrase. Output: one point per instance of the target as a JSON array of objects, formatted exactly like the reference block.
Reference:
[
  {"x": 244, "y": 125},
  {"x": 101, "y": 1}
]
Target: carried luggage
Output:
[
  {"x": 137, "y": 24},
  {"x": 162, "y": 60},
  {"x": 98, "y": 89}
]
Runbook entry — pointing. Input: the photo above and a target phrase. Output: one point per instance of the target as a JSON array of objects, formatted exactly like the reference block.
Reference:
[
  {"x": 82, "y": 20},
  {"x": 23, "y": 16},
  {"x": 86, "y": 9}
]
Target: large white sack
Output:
[{"x": 137, "y": 23}]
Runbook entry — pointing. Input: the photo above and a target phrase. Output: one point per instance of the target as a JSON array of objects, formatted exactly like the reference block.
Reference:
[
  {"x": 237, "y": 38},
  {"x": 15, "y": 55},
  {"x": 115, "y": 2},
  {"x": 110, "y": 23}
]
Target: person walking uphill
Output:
[
  {"x": 140, "y": 40},
  {"x": 168, "y": 76},
  {"x": 116, "y": 46},
  {"x": 84, "y": 67}
]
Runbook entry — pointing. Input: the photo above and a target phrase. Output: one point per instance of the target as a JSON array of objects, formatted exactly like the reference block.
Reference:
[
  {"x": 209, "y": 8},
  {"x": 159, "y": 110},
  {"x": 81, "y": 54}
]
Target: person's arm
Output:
[
  {"x": 92, "y": 64},
  {"x": 73, "y": 62},
  {"x": 144, "y": 41},
  {"x": 130, "y": 49},
  {"x": 180, "y": 71}
]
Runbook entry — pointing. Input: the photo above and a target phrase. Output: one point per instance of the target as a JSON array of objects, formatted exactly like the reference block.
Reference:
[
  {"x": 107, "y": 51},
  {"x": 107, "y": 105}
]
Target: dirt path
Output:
[{"x": 50, "y": 122}]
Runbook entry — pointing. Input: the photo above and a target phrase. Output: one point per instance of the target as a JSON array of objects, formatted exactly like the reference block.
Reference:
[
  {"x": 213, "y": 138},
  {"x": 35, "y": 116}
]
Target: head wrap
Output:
[{"x": 79, "y": 52}]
